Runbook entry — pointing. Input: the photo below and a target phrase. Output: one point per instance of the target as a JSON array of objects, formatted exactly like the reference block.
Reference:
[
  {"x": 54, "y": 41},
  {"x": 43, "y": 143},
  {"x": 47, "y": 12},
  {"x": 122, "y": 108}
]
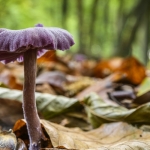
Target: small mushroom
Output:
[{"x": 26, "y": 45}]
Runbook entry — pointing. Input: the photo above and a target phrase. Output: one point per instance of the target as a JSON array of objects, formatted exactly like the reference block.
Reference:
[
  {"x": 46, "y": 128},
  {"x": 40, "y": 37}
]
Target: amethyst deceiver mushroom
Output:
[{"x": 26, "y": 45}]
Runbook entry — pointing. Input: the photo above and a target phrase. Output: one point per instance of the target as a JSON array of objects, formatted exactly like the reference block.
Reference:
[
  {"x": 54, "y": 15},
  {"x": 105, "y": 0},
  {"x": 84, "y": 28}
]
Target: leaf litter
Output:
[
  {"x": 104, "y": 137},
  {"x": 77, "y": 95}
]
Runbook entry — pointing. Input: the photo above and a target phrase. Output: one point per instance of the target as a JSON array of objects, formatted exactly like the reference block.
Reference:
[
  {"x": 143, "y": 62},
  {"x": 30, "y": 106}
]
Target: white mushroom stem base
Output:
[{"x": 29, "y": 103}]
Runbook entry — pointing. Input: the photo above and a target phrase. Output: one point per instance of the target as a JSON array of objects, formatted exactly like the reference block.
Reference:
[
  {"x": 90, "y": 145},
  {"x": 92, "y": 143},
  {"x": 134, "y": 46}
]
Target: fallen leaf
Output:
[
  {"x": 8, "y": 140},
  {"x": 82, "y": 66},
  {"x": 107, "y": 67},
  {"x": 50, "y": 55},
  {"x": 73, "y": 119},
  {"x": 144, "y": 87},
  {"x": 9, "y": 80},
  {"x": 50, "y": 61},
  {"x": 48, "y": 105},
  {"x": 123, "y": 95},
  {"x": 2, "y": 66},
  {"x": 54, "y": 78},
  {"x": 100, "y": 112},
  {"x": 139, "y": 100},
  {"x": 82, "y": 83},
  {"x": 100, "y": 85},
  {"x": 21, "y": 145},
  {"x": 113, "y": 136},
  {"x": 10, "y": 112},
  {"x": 134, "y": 70},
  {"x": 45, "y": 88}
]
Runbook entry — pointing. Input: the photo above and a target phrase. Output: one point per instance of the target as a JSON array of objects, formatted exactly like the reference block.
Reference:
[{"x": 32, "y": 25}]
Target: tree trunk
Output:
[
  {"x": 125, "y": 42},
  {"x": 92, "y": 22},
  {"x": 64, "y": 13},
  {"x": 81, "y": 39}
]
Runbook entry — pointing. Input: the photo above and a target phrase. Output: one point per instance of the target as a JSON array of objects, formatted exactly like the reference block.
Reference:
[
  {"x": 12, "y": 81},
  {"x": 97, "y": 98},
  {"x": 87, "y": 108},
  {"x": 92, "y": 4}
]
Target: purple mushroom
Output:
[{"x": 26, "y": 45}]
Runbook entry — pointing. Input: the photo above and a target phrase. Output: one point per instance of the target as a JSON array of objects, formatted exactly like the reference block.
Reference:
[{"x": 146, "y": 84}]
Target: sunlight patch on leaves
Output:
[{"x": 144, "y": 87}]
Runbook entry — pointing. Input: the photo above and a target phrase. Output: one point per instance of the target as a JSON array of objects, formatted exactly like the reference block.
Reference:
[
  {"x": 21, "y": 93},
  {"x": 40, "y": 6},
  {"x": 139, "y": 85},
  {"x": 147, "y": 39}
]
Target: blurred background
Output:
[{"x": 101, "y": 28}]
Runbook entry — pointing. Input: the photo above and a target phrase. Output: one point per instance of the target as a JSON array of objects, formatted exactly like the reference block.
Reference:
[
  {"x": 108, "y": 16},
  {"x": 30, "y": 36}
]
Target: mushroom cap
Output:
[{"x": 13, "y": 43}]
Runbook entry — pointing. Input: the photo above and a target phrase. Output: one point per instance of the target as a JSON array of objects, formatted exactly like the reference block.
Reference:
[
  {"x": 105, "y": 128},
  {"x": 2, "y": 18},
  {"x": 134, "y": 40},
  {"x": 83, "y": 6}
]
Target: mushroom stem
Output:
[{"x": 29, "y": 103}]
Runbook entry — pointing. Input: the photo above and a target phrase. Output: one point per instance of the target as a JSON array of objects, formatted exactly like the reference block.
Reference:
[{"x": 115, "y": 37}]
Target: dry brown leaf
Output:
[
  {"x": 106, "y": 67},
  {"x": 54, "y": 78},
  {"x": 45, "y": 88},
  {"x": 100, "y": 85},
  {"x": 50, "y": 61},
  {"x": 9, "y": 80},
  {"x": 134, "y": 70},
  {"x": 17, "y": 70},
  {"x": 82, "y": 67},
  {"x": 47, "y": 57},
  {"x": 113, "y": 136},
  {"x": 79, "y": 85},
  {"x": 10, "y": 112},
  {"x": 2, "y": 66},
  {"x": 8, "y": 140}
]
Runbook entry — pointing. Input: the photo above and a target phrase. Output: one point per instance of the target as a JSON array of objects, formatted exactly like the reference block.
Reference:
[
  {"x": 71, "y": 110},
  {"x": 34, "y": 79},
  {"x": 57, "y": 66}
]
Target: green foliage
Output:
[
  {"x": 144, "y": 87},
  {"x": 100, "y": 27}
]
